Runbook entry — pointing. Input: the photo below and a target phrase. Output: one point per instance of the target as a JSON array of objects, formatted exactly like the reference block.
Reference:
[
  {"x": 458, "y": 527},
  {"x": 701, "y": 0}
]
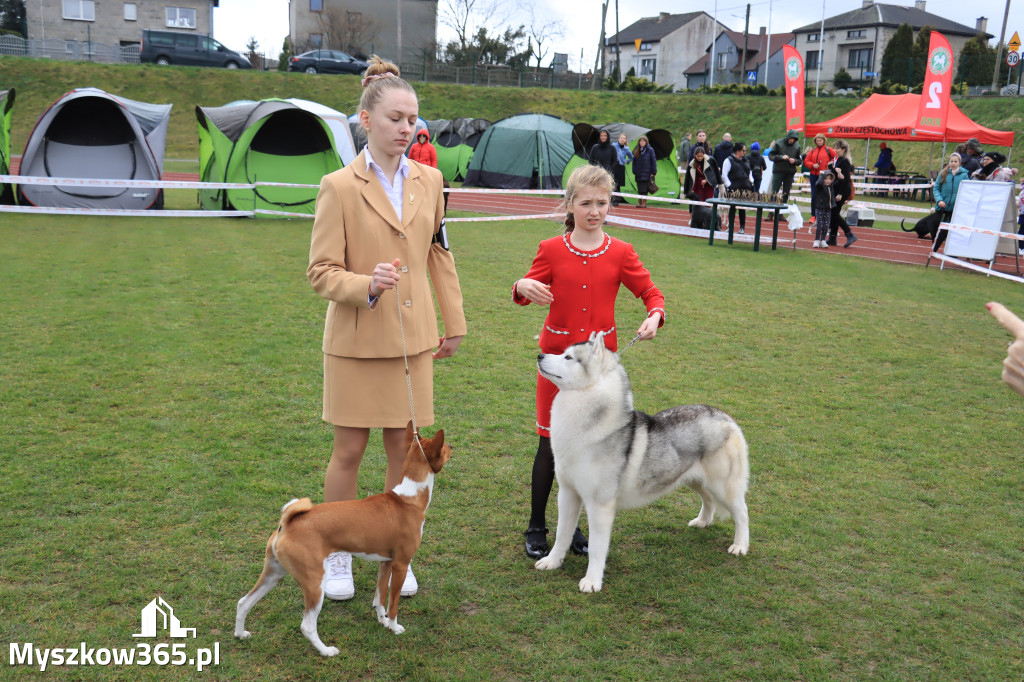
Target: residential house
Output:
[
  {"x": 660, "y": 48},
  {"x": 763, "y": 63},
  {"x": 856, "y": 40},
  {"x": 397, "y": 29},
  {"x": 115, "y": 23}
]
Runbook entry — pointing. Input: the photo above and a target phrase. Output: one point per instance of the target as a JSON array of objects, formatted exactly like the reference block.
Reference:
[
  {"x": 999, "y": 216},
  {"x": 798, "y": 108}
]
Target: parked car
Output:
[
  {"x": 326, "y": 61},
  {"x": 188, "y": 49}
]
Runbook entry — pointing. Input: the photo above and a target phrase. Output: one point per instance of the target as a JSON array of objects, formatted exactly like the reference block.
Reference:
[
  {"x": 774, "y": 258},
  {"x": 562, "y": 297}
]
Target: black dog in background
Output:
[{"x": 928, "y": 227}]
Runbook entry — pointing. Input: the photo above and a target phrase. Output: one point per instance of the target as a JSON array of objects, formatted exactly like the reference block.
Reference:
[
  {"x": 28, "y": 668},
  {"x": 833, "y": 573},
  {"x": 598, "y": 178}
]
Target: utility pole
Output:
[
  {"x": 600, "y": 47},
  {"x": 999, "y": 47},
  {"x": 768, "y": 50},
  {"x": 821, "y": 49},
  {"x": 618, "y": 44},
  {"x": 743, "y": 54},
  {"x": 399, "y": 3}
]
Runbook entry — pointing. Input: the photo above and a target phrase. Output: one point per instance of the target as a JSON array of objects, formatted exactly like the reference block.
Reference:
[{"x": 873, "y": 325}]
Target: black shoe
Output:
[
  {"x": 850, "y": 239},
  {"x": 831, "y": 242},
  {"x": 537, "y": 543},
  {"x": 579, "y": 544}
]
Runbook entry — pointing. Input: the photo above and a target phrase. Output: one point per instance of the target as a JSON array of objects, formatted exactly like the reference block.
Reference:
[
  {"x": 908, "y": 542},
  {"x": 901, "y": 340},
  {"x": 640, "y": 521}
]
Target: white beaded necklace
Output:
[{"x": 607, "y": 245}]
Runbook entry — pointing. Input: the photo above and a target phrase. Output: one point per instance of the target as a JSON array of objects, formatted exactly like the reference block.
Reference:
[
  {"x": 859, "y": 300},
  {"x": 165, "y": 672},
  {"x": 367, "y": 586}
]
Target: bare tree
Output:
[
  {"x": 542, "y": 31},
  {"x": 466, "y": 17},
  {"x": 347, "y": 30}
]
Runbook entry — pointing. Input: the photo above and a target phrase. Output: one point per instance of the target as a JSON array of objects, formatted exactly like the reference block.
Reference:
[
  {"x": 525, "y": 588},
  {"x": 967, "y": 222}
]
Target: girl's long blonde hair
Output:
[
  {"x": 584, "y": 176},
  {"x": 944, "y": 173}
]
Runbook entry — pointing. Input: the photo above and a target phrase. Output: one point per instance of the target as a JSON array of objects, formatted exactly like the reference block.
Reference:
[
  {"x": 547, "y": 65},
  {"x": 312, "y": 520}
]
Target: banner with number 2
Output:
[
  {"x": 938, "y": 81},
  {"x": 794, "y": 88}
]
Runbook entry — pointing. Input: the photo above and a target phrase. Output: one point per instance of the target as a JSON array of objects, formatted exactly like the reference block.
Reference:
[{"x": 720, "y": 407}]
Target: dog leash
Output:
[
  {"x": 635, "y": 339},
  {"x": 408, "y": 377}
]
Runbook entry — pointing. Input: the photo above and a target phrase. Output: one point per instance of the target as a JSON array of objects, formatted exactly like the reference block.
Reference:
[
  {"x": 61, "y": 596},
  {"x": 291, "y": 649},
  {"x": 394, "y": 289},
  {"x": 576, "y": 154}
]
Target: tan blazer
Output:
[{"x": 356, "y": 228}]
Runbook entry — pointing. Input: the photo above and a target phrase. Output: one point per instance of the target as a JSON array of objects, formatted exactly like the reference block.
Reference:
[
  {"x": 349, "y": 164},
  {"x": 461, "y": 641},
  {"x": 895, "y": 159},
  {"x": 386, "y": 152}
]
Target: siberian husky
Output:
[{"x": 609, "y": 456}]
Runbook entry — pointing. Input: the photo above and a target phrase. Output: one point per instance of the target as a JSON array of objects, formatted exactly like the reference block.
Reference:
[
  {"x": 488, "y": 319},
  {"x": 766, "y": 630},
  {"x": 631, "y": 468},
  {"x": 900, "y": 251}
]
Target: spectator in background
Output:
[
  {"x": 992, "y": 169},
  {"x": 945, "y": 189},
  {"x": 843, "y": 188},
  {"x": 736, "y": 177},
  {"x": 757, "y": 164},
  {"x": 645, "y": 166},
  {"x": 723, "y": 150},
  {"x": 603, "y": 154},
  {"x": 683, "y": 153},
  {"x": 971, "y": 155},
  {"x": 702, "y": 142},
  {"x": 699, "y": 181},
  {"x": 422, "y": 151},
  {"x": 785, "y": 156},
  {"x": 624, "y": 157},
  {"x": 816, "y": 161},
  {"x": 1020, "y": 218},
  {"x": 884, "y": 165}
]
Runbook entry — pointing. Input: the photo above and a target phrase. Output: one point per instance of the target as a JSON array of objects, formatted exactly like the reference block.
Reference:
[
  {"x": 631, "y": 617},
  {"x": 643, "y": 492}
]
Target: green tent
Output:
[
  {"x": 455, "y": 141},
  {"x": 6, "y": 105},
  {"x": 274, "y": 140},
  {"x": 527, "y": 151},
  {"x": 585, "y": 136}
]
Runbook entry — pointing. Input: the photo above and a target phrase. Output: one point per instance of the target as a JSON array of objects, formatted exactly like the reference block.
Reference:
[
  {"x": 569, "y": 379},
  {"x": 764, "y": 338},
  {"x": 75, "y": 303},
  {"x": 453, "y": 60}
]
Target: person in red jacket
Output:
[
  {"x": 577, "y": 276},
  {"x": 422, "y": 151}
]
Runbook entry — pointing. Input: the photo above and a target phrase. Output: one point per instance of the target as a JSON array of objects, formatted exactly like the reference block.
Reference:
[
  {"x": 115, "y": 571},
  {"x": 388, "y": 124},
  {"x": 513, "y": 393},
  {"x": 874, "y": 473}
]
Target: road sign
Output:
[
  {"x": 870, "y": 74},
  {"x": 1012, "y": 58},
  {"x": 751, "y": 76},
  {"x": 1014, "y": 43}
]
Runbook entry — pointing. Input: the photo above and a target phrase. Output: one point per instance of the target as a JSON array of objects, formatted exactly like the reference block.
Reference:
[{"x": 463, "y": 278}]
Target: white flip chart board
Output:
[{"x": 986, "y": 205}]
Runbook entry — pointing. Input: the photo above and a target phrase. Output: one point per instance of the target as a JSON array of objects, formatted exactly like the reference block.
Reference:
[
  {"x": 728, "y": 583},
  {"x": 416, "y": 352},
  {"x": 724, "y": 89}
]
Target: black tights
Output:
[{"x": 540, "y": 486}]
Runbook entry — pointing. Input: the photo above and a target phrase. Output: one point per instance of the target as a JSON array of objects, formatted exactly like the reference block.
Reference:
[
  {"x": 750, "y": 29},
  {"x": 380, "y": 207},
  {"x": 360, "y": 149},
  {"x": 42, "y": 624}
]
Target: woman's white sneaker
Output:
[{"x": 338, "y": 583}]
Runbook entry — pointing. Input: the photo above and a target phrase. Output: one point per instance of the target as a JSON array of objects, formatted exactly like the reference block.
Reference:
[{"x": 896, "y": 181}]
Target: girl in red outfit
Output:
[
  {"x": 578, "y": 276},
  {"x": 422, "y": 150}
]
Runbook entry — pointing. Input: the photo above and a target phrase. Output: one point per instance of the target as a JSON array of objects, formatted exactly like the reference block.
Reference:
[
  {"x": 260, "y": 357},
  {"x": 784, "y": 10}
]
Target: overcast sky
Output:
[{"x": 236, "y": 20}]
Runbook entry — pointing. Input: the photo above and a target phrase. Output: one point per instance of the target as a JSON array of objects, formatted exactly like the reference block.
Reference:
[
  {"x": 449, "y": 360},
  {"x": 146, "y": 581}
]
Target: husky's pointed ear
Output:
[
  {"x": 597, "y": 338},
  {"x": 593, "y": 335}
]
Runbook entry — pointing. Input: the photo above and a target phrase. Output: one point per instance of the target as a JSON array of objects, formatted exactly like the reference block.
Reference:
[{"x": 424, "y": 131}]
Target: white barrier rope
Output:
[
  {"x": 977, "y": 268},
  {"x": 141, "y": 212}
]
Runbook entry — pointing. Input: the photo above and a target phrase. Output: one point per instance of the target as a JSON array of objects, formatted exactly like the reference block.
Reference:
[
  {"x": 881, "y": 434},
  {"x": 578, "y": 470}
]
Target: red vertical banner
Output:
[
  {"x": 938, "y": 81},
  {"x": 794, "y": 68}
]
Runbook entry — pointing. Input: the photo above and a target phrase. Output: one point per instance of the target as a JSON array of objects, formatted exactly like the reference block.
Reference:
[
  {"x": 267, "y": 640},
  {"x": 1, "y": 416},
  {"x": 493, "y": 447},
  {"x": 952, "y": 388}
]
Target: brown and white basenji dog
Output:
[{"x": 385, "y": 528}]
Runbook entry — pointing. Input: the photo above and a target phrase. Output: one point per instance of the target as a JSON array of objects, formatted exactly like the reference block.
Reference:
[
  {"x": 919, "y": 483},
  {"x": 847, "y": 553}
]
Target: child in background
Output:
[
  {"x": 824, "y": 202},
  {"x": 577, "y": 275},
  {"x": 1020, "y": 217}
]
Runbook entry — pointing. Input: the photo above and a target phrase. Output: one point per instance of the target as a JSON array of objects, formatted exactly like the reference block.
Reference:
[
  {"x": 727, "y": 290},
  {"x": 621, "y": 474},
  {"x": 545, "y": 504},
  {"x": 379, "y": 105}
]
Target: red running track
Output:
[{"x": 876, "y": 244}]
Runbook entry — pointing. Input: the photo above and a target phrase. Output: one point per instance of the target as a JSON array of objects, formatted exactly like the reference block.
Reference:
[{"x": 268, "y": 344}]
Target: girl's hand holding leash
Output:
[
  {"x": 446, "y": 346},
  {"x": 1013, "y": 365},
  {"x": 534, "y": 291},
  {"x": 649, "y": 329},
  {"x": 385, "y": 276}
]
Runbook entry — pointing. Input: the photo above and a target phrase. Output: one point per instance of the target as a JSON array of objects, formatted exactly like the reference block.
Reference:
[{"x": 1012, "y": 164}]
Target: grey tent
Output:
[
  {"x": 455, "y": 141},
  {"x": 88, "y": 133},
  {"x": 527, "y": 151},
  {"x": 585, "y": 136}
]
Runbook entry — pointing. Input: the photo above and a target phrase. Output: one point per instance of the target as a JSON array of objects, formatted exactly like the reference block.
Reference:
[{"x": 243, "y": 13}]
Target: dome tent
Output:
[
  {"x": 6, "y": 105},
  {"x": 455, "y": 141},
  {"x": 585, "y": 136},
  {"x": 526, "y": 151},
  {"x": 274, "y": 140},
  {"x": 88, "y": 133}
]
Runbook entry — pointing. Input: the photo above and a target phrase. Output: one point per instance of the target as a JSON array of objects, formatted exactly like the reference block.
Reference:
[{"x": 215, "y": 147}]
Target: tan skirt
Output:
[{"x": 372, "y": 392}]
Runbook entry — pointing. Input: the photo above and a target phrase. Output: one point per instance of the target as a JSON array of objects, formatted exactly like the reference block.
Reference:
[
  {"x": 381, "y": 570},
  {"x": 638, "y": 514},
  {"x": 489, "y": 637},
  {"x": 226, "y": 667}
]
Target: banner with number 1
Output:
[
  {"x": 938, "y": 81},
  {"x": 794, "y": 88}
]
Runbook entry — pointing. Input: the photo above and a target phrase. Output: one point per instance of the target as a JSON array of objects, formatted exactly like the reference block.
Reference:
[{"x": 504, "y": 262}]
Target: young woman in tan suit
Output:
[{"x": 378, "y": 232}]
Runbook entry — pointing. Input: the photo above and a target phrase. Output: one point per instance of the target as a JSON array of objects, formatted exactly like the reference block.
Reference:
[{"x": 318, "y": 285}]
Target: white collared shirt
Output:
[{"x": 395, "y": 191}]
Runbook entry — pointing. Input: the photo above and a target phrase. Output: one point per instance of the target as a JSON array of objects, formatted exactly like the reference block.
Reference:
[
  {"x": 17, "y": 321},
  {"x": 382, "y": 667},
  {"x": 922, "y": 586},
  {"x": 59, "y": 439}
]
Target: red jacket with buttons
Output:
[{"x": 584, "y": 285}]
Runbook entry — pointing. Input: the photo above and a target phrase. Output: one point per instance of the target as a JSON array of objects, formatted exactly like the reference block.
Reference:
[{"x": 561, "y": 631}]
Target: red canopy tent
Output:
[{"x": 892, "y": 117}]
